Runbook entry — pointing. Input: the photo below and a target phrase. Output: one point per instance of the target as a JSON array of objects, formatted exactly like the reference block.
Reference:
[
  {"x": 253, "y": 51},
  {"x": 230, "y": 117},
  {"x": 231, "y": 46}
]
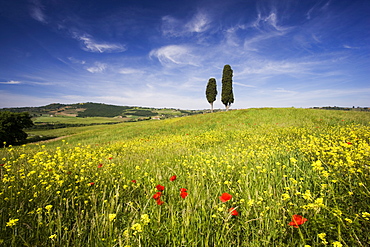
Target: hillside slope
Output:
[{"x": 90, "y": 109}]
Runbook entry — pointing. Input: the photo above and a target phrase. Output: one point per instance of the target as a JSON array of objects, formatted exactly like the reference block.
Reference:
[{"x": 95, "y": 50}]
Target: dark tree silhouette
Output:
[
  {"x": 12, "y": 125},
  {"x": 211, "y": 91},
  {"x": 227, "y": 96}
]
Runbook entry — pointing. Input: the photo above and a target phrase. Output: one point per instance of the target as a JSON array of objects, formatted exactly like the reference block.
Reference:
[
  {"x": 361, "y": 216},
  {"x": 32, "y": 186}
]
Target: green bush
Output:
[{"x": 12, "y": 125}]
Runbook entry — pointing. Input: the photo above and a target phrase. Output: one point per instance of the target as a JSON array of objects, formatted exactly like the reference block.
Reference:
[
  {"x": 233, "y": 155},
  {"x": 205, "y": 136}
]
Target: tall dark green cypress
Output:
[
  {"x": 211, "y": 91},
  {"x": 227, "y": 96}
]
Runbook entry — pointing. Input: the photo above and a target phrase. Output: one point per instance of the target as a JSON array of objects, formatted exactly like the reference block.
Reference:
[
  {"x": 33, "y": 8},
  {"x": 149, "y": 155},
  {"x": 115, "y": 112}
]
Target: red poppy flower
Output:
[
  {"x": 184, "y": 194},
  {"x": 225, "y": 197},
  {"x": 173, "y": 178},
  {"x": 157, "y": 195},
  {"x": 349, "y": 143},
  {"x": 297, "y": 220},
  {"x": 183, "y": 190},
  {"x": 159, "y": 202},
  {"x": 91, "y": 184},
  {"x": 134, "y": 181},
  {"x": 160, "y": 187},
  {"x": 110, "y": 158},
  {"x": 2, "y": 164},
  {"x": 233, "y": 212},
  {"x": 100, "y": 165}
]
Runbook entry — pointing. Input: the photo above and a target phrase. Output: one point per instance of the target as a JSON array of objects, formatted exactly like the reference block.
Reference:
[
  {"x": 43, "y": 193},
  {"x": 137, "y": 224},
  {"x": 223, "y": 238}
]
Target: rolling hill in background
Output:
[{"x": 90, "y": 109}]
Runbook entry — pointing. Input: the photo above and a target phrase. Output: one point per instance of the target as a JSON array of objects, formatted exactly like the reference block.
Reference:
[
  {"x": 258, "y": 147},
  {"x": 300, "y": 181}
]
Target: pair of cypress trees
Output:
[{"x": 227, "y": 96}]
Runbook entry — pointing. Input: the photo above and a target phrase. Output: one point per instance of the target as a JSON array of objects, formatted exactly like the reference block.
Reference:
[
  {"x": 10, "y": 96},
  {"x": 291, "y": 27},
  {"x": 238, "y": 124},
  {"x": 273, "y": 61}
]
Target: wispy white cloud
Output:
[
  {"x": 318, "y": 7},
  {"x": 75, "y": 60},
  {"x": 199, "y": 23},
  {"x": 269, "y": 22},
  {"x": 36, "y": 11},
  {"x": 268, "y": 28},
  {"x": 242, "y": 84},
  {"x": 270, "y": 67},
  {"x": 282, "y": 90},
  {"x": 350, "y": 47},
  {"x": 10, "y": 82},
  {"x": 128, "y": 71},
  {"x": 91, "y": 45},
  {"x": 175, "y": 55},
  {"x": 97, "y": 68}
]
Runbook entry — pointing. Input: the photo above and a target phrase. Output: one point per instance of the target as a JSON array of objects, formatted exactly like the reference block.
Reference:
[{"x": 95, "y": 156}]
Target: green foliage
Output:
[
  {"x": 12, "y": 125},
  {"x": 227, "y": 96},
  {"x": 211, "y": 90},
  {"x": 100, "y": 110}
]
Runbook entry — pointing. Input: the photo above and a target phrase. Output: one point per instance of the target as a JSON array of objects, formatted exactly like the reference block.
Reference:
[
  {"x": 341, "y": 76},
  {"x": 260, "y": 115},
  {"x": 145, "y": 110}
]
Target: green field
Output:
[
  {"x": 75, "y": 120},
  {"x": 98, "y": 187}
]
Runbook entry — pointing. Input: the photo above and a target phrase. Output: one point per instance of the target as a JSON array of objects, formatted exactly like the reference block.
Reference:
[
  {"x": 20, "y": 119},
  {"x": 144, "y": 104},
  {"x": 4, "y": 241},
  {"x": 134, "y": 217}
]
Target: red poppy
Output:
[
  {"x": 297, "y": 220},
  {"x": 173, "y": 178},
  {"x": 134, "y": 181},
  {"x": 225, "y": 197},
  {"x": 233, "y": 212},
  {"x": 157, "y": 195},
  {"x": 160, "y": 187},
  {"x": 110, "y": 158},
  {"x": 100, "y": 165},
  {"x": 2, "y": 164},
  {"x": 184, "y": 194},
  {"x": 159, "y": 202},
  {"x": 183, "y": 190},
  {"x": 91, "y": 184},
  {"x": 349, "y": 143}
]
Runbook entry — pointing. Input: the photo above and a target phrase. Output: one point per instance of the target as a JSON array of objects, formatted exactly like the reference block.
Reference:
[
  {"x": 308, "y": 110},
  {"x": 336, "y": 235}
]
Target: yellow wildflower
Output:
[
  {"x": 53, "y": 236},
  {"x": 111, "y": 217},
  {"x": 337, "y": 244},
  {"x": 12, "y": 222},
  {"x": 145, "y": 219}
]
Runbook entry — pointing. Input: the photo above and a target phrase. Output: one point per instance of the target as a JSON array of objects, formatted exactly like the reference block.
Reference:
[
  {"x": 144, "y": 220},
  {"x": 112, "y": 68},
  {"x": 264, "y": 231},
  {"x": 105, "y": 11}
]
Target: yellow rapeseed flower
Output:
[
  {"x": 111, "y": 217},
  {"x": 337, "y": 244},
  {"x": 12, "y": 222},
  {"x": 53, "y": 236},
  {"x": 137, "y": 228},
  {"x": 285, "y": 196},
  {"x": 48, "y": 207},
  {"x": 145, "y": 219}
]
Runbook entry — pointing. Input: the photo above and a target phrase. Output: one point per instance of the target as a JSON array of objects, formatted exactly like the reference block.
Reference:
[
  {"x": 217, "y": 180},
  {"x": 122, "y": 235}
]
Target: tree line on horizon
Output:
[{"x": 227, "y": 95}]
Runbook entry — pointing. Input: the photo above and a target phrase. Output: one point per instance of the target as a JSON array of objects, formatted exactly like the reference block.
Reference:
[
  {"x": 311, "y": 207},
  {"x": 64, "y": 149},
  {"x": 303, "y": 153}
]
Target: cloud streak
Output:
[
  {"x": 91, "y": 45},
  {"x": 170, "y": 55},
  {"x": 172, "y": 27},
  {"x": 36, "y": 11},
  {"x": 10, "y": 82},
  {"x": 97, "y": 68}
]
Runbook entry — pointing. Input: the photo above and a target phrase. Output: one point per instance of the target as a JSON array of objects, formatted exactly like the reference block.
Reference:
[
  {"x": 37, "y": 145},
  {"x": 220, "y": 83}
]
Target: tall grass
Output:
[{"x": 96, "y": 188}]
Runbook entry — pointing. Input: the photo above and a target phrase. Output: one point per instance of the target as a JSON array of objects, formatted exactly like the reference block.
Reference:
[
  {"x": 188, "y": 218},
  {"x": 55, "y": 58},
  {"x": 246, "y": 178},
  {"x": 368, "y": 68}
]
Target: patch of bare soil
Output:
[{"x": 52, "y": 140}]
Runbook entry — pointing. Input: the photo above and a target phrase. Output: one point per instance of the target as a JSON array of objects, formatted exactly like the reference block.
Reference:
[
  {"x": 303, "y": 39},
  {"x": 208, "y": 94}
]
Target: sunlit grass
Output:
[{"x": 96, "y": 188}]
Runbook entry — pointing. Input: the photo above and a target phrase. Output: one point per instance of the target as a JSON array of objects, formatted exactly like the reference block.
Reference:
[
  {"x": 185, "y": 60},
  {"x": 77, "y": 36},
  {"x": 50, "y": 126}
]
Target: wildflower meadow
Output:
[{"x": 256, "y": 177}]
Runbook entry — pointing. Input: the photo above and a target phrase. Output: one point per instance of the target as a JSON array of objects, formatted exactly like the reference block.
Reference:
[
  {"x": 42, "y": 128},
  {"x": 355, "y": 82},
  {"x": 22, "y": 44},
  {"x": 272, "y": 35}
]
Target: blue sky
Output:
[{"x": 162, "y": 53}]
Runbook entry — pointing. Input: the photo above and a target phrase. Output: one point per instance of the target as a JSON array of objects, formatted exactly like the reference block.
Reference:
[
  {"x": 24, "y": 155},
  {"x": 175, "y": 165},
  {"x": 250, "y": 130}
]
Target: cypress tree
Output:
[
  {"x": 211, "y": 91},
  {"x": 227, "y": 96}
]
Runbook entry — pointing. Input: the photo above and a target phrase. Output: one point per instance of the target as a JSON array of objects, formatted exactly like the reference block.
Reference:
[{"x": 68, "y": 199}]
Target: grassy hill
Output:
[
  {"x": 90, "y": 109},
  {"x": 61, "y": 116},
  {"x": 292, "y": 177}
]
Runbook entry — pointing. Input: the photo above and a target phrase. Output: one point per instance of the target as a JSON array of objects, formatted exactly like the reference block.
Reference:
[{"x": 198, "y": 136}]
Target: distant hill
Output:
[{"x": 90, "y": 109}]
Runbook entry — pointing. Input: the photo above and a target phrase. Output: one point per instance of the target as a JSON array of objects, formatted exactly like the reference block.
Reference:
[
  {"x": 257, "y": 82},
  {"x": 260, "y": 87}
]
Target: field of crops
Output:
[{"x": 256, "y": 177}]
